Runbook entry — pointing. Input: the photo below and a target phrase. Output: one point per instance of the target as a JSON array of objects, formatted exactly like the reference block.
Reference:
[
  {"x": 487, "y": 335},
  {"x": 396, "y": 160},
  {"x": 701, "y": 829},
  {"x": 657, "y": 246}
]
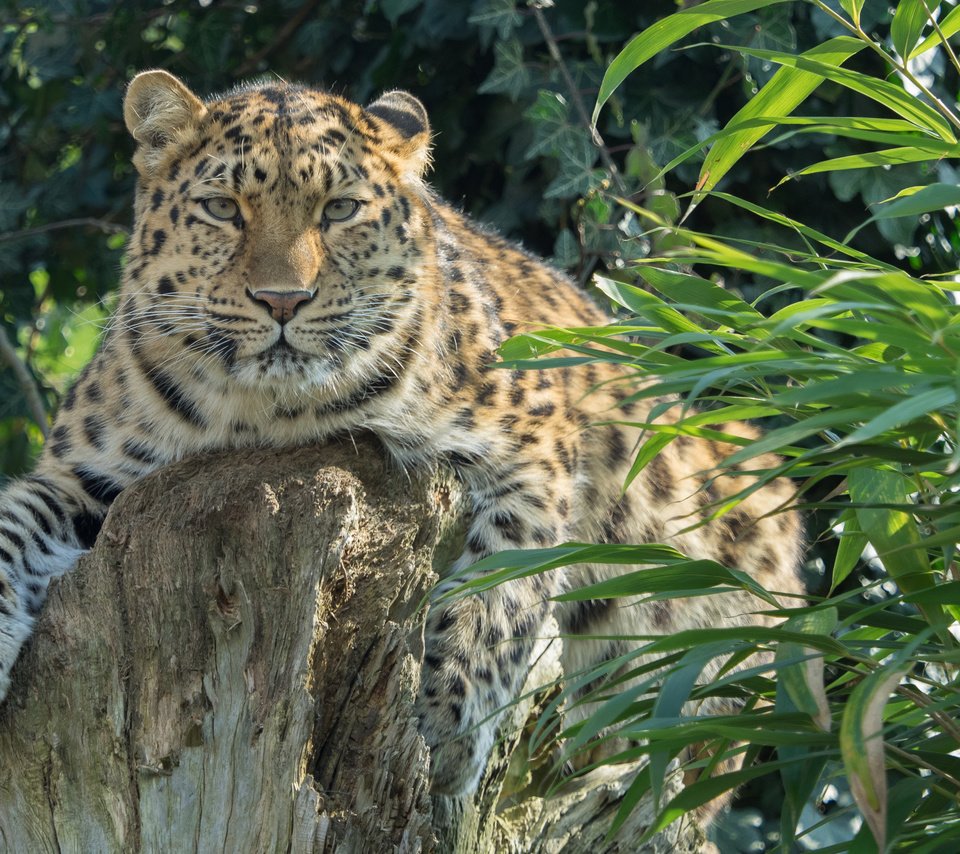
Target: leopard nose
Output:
[{"x": 282, "y": 305}]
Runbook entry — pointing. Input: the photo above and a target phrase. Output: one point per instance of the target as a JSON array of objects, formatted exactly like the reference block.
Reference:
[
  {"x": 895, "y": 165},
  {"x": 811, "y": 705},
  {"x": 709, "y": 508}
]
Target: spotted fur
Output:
[{"x": 291, "y": 276}]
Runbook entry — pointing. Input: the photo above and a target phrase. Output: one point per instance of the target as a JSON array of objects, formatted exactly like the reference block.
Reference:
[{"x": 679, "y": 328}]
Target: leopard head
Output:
[{"x": 278, "y": 229}]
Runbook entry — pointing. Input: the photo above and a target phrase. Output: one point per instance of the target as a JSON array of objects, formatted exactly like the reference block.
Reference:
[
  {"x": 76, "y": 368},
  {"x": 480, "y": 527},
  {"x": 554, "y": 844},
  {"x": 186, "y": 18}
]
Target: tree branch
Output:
[
  {"x": 92, "y": 222},
  {"x": 579, "y": 106},
  {"x": 26, "y": 382}
]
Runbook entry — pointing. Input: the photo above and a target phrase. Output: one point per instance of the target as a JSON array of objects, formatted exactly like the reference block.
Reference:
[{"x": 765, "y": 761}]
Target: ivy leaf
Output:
[
  {"x": 495, "y": 16},
  {"x": 577, "y": 175},
  {"x": 509, "y": 75},
  {"x": 552, "y": 131},
  {"x": 566, "y": 250},
  {"x": 393, "y": 9}
]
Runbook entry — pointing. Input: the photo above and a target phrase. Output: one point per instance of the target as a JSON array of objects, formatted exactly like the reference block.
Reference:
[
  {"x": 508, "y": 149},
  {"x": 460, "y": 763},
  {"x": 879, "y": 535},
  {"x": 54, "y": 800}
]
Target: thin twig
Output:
[
  {"x": 944, "y": 41},
  {"x": 26, "y": 382},
  {"x": 922, "y": 700},
  {"x": 92, "y": 222},
  {"x": 578, "y": 104}
]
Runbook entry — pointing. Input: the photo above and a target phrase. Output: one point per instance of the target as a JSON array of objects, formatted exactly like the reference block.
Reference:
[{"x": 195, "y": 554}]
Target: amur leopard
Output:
[{"x": 291, "y": 276}]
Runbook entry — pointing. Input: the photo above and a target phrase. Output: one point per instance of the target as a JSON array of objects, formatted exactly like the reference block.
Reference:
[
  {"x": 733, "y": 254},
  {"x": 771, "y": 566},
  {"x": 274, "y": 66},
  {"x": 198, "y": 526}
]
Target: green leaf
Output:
[
  {"x": 498, "y": 15},
  {"x": 913, "y": 202},
  {"x": 664, "y": 33},
  {"x": 852, "y": 543},
  {"x": 872, "y": 159},
  {"x": 393, "y": 9},
  {"x": 552, "y": 130},
  {"x": 800, "y": 770},
  {"x": 802, "y": 678},
  {"x": 908, "y": 410},
  {"x": 645, "y": 304},
  {"x": 852, "y": 8},
  {"x": 695, "y": 293},
  {"x": 683, "y": 576},
  {"x": 638, "y": 788},
  {"x": 909, "y": 19},
  {"x": 673, "y": 694},
  {"x": 788, "y": 88},
  {"x": 894, "y": 533},
  {"x": 577, "y": 175},
  {"x": 704, "y": 790},
  {"x": 862, "y": 747},
  {"x": 949, "y": 26},
  {"x": 510, "y": 74},
  {"x": 887, "y": 94}
]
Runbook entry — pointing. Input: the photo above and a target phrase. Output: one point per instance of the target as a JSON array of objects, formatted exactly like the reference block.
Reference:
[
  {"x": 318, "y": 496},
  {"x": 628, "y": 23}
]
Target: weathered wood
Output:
[{"x": 234, "y": 668}]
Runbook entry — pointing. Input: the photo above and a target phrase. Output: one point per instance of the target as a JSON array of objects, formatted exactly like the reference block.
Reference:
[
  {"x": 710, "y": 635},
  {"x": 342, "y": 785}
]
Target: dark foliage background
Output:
[{"x": 508, "y": 93}]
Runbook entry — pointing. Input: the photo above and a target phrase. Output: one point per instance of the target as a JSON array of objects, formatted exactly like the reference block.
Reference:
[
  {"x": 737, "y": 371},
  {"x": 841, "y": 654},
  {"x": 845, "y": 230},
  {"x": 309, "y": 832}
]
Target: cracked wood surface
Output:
[{"x": 234, "y": 666}]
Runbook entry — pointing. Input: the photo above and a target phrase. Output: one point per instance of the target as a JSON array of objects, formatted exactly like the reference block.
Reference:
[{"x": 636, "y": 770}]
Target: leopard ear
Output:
[
  {"x": 158, "y": 109},
  {"x": 403, "y": 120}
]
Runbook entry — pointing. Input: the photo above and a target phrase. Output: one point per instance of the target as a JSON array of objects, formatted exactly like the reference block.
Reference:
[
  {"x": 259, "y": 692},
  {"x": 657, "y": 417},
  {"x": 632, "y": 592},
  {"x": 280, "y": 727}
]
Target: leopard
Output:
[{"x": 291, "y": 277}]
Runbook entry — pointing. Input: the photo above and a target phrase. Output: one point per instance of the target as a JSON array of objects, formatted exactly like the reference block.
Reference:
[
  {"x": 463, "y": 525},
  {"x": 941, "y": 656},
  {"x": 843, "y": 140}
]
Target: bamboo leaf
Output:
[
  {"x": 862, "y": 747},
  {"x": 910, "y": 409},
  {"x": 909, "y": 19},
  {"x": 872, "y": 159},
  {"x": 887, "y": 94},
  {"x": 803, "y": 678},
  {"x": 852, "y": 543},
  {"x": 673, "y": 694},
  {"x": 666, "y": 32},
  {"x": 894, "y": 533},
  {"x": 949, "y": 26},
  {"x": 788, "y": 88},
  {"x": 645, "y": 304},
  {"x": 800, "y": 771},
  {"x": 913, "y": 202},
  {"x": 852, "y": 8}
]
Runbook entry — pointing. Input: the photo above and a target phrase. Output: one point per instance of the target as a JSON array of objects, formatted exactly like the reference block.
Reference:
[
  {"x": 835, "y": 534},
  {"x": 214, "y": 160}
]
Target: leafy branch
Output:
[{"x": 91, "y": 222}]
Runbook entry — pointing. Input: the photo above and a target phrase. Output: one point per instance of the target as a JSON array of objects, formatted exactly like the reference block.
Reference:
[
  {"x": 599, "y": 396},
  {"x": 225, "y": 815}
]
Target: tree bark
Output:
[{"x": 234, "y": 668}]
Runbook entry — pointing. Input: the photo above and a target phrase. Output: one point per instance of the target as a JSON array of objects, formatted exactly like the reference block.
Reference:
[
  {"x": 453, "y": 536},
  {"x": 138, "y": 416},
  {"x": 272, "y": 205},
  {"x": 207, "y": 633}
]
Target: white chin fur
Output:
[{"x": 311, "y": 372}]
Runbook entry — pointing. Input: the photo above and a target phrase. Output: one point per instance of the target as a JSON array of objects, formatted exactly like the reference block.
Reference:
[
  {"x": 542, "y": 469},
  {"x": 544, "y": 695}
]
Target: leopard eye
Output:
[
  {"x": 220, "y": 207},
  {"x": 340, "y": 210}
]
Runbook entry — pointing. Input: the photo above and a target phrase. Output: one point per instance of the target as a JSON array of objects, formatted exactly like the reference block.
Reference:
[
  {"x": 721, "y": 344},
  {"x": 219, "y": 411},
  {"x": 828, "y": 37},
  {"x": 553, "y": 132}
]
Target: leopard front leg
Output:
[
  {"x": 479, "y": 647},
  {"x": 43, "y": 531}
]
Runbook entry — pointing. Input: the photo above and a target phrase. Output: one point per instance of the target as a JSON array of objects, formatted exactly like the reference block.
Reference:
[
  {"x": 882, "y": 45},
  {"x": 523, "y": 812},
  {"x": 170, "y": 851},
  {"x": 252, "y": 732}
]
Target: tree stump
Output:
[{"x": 234, "y": 668}]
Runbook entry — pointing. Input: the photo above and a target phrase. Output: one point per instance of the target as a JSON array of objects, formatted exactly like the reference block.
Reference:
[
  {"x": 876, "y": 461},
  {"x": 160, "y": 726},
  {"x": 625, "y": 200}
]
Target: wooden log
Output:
[{"x": 234, "y": 668}]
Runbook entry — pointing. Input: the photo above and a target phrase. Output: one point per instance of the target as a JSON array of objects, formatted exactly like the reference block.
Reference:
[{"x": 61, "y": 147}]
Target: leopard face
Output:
[{"x": 278, "y": 228}]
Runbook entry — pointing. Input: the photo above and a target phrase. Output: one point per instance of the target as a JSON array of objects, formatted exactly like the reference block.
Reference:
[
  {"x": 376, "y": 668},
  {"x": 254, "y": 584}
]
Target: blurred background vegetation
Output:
[{"x": 509, "y": 91}]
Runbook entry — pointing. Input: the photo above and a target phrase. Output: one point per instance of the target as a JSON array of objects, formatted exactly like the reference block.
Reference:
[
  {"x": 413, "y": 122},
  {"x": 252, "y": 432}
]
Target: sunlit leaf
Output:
[
  {"x": 909, "y": 19},
  {"x": 885, "y": 93},
  {"x": 914, "y": 202},
  {"x": 664, "y": 33},
  {"x": 894, "y": 533},
  {"x": 788, "y": 88},
  {"x": 949, "y": 26}
]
